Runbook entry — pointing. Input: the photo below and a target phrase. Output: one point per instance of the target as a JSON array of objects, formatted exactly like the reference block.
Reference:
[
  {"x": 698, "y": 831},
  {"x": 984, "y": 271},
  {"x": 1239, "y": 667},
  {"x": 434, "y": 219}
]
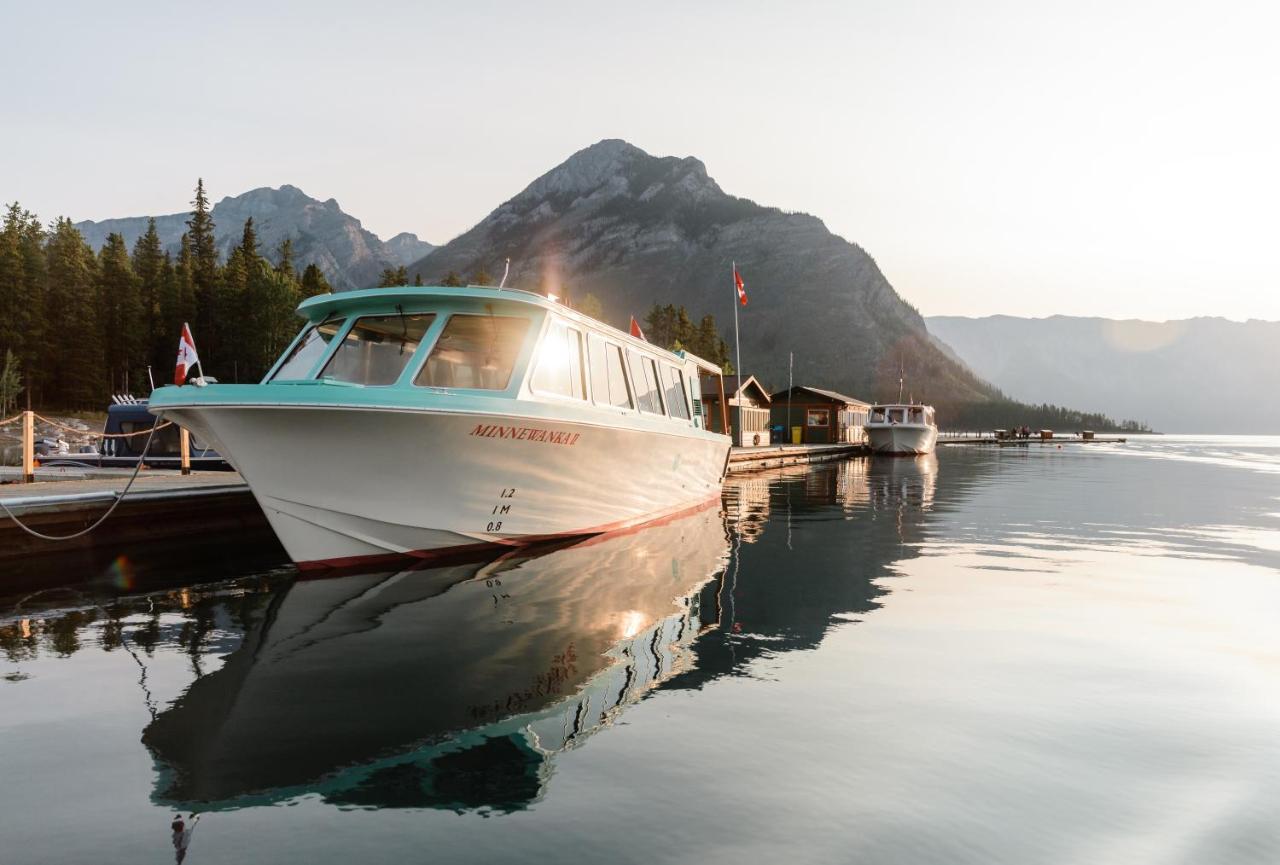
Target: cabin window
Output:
[
  {"x": 474, "y": 351},
  {"x": 878, "y": 416},
  {"x": 377, "y": 348},
  {"x": 645, "y": 375},
  {"x": 673, "y": 387},
  {"x": 559, "y": 368},
  {"x": 895, "y": 415},
  {"x": 164, "y": 442},
  {"x": 915, "y": 415},
  {"x": 308, "y": 350},
  {"x": 608, "y": 375},
  {"x": 818, "y": 417}
]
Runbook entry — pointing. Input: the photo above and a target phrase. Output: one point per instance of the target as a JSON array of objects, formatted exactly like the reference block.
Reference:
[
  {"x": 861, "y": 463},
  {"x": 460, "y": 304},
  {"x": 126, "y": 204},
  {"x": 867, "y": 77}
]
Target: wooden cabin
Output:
[
  {"x": 748, "y": 408},
  {"x": 823, "y": 416}
]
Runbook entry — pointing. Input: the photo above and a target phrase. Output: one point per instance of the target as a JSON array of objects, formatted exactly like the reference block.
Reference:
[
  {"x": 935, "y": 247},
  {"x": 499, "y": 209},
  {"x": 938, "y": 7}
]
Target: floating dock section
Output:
[{"x": 755, "y": 458}]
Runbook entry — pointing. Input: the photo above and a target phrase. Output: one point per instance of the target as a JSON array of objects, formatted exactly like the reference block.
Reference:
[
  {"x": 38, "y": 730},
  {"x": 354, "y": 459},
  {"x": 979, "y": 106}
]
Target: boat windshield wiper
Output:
[{"x": 404, "y": 328}]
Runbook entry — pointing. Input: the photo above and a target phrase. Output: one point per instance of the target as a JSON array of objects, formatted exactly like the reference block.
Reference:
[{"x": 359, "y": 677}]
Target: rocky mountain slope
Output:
[
  {"x": 350, "y": 256},
  {"x": 635, "y": 230},
  {"x": 1205, "y": 375}
]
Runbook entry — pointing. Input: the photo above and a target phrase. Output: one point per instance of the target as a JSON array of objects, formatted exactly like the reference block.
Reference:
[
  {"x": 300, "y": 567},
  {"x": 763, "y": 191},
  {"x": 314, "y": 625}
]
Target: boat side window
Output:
[
  {"x": 308, "y": 350},
  {"x": 164, "y": 443},
  {"x": 559, "y": 369},
  {"x": 645, "y": 377},
  {"x": 608, "y": 375},
  {"x": 877, "y": 415},
  {"x": 673, "y": 387},
  {"x": 377, "y": 348},
  {"x": 474, "y": 351}
]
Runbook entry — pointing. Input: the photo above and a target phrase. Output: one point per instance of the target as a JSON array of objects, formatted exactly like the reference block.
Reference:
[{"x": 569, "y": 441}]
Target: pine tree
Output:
[
  {"x": 149, "y": 267},
  {"x": 22, "y": 289},
  {"x": 71, "y": 312},
  {"x": 451, "y": 280},
  {"x": 204, "y": 273},
  {"x": 10, "y": 382},
  {"x": 313, "y": 282},
  {"x": 481, "y": 277},
  {"x": 120, "y": 315},
  {"x": 417, "y": 279},
  {"x": 284, "y": 253}
]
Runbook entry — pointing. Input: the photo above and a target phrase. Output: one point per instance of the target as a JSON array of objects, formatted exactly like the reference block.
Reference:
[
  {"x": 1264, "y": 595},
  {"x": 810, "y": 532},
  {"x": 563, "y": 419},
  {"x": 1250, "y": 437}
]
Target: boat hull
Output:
[
  {"x": 909, "y": 439},
  {"x": 349, "y": 487}
]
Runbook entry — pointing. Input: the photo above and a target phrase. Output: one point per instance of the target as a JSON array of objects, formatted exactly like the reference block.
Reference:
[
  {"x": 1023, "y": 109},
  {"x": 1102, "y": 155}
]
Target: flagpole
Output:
[{"x": 737, "y": 345}]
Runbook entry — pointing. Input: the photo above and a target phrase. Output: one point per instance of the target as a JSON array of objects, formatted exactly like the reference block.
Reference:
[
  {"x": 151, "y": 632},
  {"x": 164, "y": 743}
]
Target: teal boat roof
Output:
[{"x": 323, "y": 304}]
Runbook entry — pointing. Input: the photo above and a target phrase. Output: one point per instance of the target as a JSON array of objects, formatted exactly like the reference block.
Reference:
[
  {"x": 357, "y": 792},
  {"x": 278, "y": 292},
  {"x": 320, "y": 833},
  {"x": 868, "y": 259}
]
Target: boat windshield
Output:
[
  {"x": 895, "y": 415},
  {"x": 877, "y": 415},
  {"x": 377, "y": 348},
  {"x": 474, "y": 351},
  {"x": 308, "y": 350},
  {"x": 915, "y": 414}
]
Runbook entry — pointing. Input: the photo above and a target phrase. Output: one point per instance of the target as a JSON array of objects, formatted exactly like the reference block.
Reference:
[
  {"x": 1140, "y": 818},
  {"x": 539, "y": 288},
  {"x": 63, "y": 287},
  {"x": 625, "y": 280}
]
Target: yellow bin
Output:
[{"x": 795, "y": 434}]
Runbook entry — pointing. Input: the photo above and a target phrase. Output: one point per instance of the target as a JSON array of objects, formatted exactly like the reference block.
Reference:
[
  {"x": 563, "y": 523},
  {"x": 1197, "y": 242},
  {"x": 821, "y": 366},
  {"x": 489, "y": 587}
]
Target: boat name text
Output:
[{"x": 524, "y": 433}]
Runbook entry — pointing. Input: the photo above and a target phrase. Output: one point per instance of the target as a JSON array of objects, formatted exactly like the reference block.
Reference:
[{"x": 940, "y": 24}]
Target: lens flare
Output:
[{"x": 122, "y": 574}]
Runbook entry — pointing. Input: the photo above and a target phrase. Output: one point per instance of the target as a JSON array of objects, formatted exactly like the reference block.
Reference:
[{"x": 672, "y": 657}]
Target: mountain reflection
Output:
[{"x": 455, "y": 687}]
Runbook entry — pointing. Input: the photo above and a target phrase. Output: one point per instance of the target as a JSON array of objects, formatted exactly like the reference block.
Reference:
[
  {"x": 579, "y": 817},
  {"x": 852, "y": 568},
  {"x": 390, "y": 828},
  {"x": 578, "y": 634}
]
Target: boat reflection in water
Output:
[{"x": 450, "y": 687}]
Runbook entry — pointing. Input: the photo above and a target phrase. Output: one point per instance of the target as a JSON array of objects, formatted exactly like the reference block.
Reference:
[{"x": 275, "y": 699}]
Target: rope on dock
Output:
[
  {"x": 100, "y": 520},
  {"x": 54, "y": 423},
  {"x": 9, "y": 420}
]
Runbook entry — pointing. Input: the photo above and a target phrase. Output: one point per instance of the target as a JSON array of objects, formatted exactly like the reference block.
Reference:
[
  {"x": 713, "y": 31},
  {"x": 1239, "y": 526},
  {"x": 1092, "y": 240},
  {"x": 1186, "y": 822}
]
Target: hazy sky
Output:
[{"x": 1094, "y": 158}]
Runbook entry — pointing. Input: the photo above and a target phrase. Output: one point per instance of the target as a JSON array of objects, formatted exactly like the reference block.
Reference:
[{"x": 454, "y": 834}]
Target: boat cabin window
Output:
[
  {"x": 895, "y": 415},
  {"x": 915, "y": 414},
  {"x": 474, "y": 351},
  {"x": 877, "y": 415},
  {"x": 608, "y": 375},
  {"x": 559, "y": 369},
  {"x": 673, "y": 387},
  {"x": 308, "y": 350},
  {"x": 377, "y": 348},
  {"x": 164, "y": 443},
  {"x": 645, "y": 375}
]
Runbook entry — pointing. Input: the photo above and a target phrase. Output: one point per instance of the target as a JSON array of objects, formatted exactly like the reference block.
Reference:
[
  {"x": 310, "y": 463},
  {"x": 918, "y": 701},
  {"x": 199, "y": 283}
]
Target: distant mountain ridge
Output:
[
  {"x": 635, "y": 230},
  {"x": 1205, "y": 375},
  {"x": 349, "y": 255}
]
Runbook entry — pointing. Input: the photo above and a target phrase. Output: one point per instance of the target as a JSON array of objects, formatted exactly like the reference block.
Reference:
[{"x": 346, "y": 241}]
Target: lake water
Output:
[{"x": 1018, "y": 655}]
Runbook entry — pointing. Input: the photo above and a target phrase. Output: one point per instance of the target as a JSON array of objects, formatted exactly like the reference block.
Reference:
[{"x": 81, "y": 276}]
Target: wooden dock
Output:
[
  {"x": 208, "y": 513},
  {"x": 753, "y": 459}
]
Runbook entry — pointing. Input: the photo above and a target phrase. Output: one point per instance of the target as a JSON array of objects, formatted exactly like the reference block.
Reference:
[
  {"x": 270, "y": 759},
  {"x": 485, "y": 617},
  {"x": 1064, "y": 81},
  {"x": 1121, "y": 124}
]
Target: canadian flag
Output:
[
  {"x": 635, "y": 329},
  {"x": 187, "y": 357},
  {"x": 740, "y": 285}
]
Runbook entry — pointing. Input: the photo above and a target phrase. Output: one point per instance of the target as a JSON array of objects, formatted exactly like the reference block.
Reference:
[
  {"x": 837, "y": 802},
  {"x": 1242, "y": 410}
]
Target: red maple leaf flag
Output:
[
  {"x": 635, "y": 329},
  {"x": 187, "y": 357},
  {"x": 741, "y": 286}
]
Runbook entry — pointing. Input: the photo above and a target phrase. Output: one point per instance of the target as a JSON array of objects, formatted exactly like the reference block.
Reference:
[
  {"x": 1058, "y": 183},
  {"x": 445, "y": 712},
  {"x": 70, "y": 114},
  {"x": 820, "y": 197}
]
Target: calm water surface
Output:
[{"x": 1024, "y": 655}]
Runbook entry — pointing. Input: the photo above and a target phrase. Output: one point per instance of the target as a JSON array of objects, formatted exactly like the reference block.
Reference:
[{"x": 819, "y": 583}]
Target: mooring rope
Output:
[
  {"x": 119, "y": 498},
  {"x": 16, "y": 417},
  {"x": 54, "y": 423}
]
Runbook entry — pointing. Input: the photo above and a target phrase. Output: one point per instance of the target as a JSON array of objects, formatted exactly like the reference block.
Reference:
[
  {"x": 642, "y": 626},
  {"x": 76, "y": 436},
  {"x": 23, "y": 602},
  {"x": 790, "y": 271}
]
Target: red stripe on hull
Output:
[{"x": 482, "y": 550}]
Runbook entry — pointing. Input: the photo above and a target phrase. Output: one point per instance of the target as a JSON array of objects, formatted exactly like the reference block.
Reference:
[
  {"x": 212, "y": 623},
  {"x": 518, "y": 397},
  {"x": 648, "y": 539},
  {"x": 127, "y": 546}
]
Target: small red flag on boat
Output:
[
  {"x": 187, "y": 357},
  {"x": 740, "y": 285},
  {"x": 635, "y": 329}
]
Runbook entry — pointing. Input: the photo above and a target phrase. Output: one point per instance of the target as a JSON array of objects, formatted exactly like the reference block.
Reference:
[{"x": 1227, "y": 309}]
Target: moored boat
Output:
[
  {"x": 902, "y": 428},
  {"x": 426, "y": 420}
]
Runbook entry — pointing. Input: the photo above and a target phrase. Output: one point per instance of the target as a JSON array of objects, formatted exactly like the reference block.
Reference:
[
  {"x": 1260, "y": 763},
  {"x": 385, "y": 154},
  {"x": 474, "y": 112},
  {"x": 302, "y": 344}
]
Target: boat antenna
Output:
[
  {"x": 505, "y": 271},
  {"x": 150, "y": 377},
  {"x": 899, "y": 379}
]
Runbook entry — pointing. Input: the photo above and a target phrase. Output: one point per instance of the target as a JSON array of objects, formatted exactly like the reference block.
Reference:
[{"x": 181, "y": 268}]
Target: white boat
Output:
[
  {"x": 430, "y": 420},
  {"x": 902, "y": 428}
]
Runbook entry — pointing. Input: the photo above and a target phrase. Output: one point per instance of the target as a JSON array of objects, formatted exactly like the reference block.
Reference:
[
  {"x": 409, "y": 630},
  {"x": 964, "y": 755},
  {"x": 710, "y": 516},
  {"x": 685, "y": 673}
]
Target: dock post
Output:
[
  {"x": 184, "y": 448},
  {"x": 28, "y": 447}
]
